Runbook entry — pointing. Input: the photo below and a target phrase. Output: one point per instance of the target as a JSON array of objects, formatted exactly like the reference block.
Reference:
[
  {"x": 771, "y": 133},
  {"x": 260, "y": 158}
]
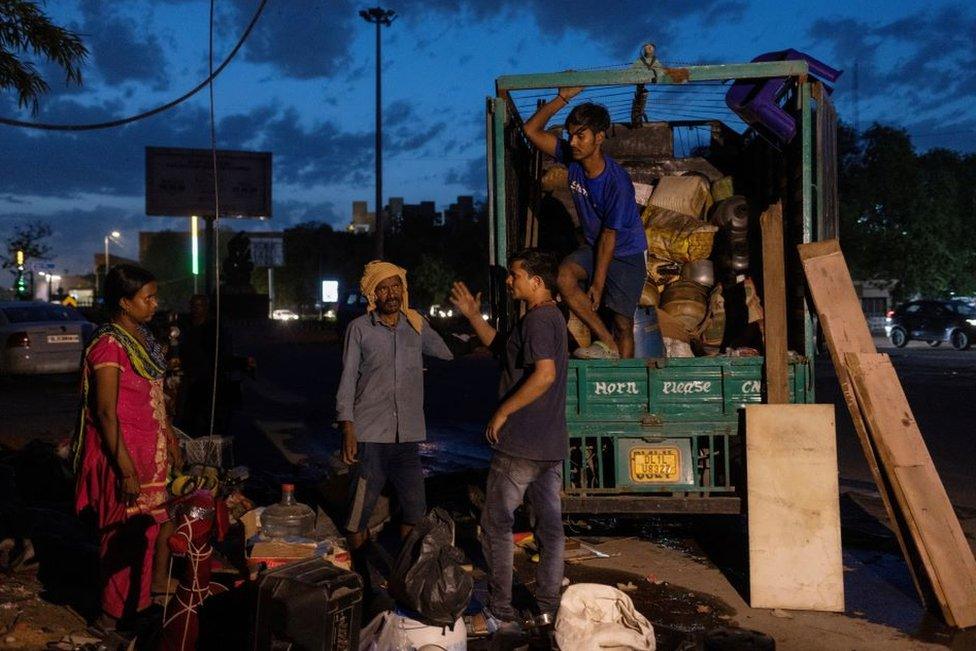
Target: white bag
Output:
[
  {"x": 390, "y": 631},
  {"x": 593, "y": 616}
]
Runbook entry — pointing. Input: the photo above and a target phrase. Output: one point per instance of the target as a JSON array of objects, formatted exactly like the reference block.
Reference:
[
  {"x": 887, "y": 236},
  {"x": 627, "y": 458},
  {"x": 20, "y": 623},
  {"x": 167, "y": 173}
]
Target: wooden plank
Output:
[
  {"x": 774, "y": 304},
  {"x": 837, "y": 303},
  {"x": 794, "y": 508},
  {"x": 931, "y": 519}
]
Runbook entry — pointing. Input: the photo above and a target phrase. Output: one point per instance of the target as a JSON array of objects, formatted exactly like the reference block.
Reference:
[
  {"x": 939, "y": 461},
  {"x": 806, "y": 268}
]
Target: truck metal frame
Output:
[{"x": 706, "y": 425}]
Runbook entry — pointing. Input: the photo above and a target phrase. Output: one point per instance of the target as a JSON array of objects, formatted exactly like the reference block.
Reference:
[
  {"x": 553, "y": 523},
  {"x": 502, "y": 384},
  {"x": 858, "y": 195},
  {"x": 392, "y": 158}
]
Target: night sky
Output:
[{"x": 302, "y": 87}]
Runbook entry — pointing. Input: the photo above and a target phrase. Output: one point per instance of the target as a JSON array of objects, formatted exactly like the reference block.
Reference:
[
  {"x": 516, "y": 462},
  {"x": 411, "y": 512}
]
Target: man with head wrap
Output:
[{"x": 380, "y": 401}]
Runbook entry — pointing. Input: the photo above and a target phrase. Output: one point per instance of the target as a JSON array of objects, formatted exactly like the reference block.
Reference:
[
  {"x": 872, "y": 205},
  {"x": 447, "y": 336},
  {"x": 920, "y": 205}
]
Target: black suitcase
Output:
[{"x": 308, "y": 605}]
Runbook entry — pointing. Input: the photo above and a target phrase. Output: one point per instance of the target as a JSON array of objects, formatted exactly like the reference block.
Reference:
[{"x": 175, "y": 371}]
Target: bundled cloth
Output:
[
  {"x": 376, "y": 272},
  {"x": 594, "y": 616}
]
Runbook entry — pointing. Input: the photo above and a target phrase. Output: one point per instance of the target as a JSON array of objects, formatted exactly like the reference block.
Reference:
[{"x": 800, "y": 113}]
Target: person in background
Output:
[
  {"x": 197, "y": 344},
  {"x": 527, "y": 432},
  {"x": 613, "y": 260},
  {"x": 380, "y": 403},
  {"x": 124, "y": 447}
]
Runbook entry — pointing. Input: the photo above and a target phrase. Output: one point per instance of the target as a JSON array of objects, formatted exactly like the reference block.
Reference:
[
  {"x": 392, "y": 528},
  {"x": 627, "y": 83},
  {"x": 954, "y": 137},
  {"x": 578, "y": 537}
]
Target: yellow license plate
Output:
[{"x": 655, "y": 464}]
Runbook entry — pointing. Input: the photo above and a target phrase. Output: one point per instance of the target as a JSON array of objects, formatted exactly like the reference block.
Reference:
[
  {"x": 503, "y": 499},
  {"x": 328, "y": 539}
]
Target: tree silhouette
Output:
[{"x": 26, "y": 30}]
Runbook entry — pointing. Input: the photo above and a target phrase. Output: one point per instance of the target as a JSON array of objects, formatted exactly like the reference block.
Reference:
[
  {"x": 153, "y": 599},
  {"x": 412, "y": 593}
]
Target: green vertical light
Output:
[{"x": 194, "y": 246}]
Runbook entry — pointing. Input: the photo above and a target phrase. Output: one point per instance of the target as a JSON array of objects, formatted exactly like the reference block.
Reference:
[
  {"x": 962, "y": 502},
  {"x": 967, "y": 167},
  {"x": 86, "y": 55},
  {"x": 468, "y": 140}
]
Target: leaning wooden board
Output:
[
  {"x": 946, "y": 553},
  {"x": 794, "y": 508},
  {"x": 846, "y": 331}
]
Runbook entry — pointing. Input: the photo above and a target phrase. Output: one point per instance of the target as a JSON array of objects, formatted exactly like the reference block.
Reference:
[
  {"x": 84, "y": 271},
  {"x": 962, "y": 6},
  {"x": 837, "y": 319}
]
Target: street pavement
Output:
[{"x": 285, "y": 430}]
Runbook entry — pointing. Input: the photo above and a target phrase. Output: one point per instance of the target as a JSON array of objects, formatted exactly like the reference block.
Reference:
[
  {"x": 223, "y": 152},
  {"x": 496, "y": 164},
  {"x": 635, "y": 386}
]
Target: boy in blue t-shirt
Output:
[{"x": 613, "y": 260}]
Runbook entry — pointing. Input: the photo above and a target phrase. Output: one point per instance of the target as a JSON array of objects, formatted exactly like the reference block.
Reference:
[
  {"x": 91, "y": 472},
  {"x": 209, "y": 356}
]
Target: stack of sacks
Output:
[{"x": 677, "y": 236}]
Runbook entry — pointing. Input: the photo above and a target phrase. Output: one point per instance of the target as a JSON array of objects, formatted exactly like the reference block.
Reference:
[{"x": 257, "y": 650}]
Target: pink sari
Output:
[{"x": 128, "y": 533}]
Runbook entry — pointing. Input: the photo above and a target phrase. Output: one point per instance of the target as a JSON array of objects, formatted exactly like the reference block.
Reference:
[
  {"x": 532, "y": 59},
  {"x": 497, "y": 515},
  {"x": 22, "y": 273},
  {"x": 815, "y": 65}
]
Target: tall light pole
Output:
[
  {"x": 111, "y": 237},
  {"x": 379, "y": 17}
]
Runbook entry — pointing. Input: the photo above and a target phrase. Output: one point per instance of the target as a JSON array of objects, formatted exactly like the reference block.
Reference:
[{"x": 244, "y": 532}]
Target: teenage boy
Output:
[
  {"x": 613, "y": 260},
  {"x": 527, "y": 431}
]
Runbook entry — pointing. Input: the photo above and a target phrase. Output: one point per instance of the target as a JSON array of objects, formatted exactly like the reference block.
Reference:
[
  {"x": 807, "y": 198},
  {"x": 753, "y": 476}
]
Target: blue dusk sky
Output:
[{"x": 302, "y": 87}]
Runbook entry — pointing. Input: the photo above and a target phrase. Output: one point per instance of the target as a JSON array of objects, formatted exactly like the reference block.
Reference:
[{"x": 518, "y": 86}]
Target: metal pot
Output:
[{"x": 699, "y": 271}]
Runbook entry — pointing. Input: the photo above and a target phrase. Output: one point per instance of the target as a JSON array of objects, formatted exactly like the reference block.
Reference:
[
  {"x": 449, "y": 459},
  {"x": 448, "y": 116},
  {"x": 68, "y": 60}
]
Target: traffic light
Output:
[{"x": 20, "y": 257}]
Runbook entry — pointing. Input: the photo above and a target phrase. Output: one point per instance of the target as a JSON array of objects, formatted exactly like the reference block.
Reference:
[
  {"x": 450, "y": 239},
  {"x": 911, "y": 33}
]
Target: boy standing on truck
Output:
[
  {"x": 527, "y": 432},
  {"x": 613, "y": 259}
]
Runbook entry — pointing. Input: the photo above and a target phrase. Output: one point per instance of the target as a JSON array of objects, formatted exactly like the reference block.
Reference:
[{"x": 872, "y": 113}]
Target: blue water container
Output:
[{"x": 647, "y": 334}]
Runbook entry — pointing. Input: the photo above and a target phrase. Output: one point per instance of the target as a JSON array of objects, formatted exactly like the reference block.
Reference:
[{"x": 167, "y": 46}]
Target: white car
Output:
[
  {"x": 38, "y": 337},
  {"x": 284, "y": 315}
]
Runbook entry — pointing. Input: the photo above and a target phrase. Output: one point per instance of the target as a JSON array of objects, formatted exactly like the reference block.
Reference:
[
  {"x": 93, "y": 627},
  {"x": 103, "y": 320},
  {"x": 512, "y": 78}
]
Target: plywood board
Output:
[
  {"x": 794, "y": 508},
  {"x": 774, "y": 305},
  {"x": 932, "y": 522},
  {"x": 846, "y": 331}
]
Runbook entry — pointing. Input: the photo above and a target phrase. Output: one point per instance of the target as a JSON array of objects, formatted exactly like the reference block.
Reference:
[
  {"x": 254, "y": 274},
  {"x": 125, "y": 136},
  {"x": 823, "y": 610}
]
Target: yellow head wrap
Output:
[{"x": 376, "y": 272}]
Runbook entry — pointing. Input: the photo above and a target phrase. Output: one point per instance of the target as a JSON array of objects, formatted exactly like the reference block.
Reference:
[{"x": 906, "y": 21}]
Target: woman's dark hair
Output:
[
  {"x": 539, "y": 263},
  {"x": 123, "y": 281},
  {"x": 594, "y": 117}
]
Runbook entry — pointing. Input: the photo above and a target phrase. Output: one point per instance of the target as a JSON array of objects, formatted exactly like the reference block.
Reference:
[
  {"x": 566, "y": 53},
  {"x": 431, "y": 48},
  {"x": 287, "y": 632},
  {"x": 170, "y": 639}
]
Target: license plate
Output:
[
  {"x": 655, "y": 464},
  {"x": 62, "y": 339}
]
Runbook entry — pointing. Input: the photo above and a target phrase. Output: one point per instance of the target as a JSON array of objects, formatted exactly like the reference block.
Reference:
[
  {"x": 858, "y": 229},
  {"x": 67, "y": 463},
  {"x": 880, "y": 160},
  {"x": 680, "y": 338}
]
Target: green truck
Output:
[{"x": 665, "y": 435}]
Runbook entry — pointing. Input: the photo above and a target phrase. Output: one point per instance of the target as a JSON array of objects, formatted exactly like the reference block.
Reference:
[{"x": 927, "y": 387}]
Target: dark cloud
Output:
[
  {"x": 305, "y": 39},
  {"x": 472, "y": 176},
  {"x": 62, "y": 165},
  {"x": 121, "y": 49},
  {"x": 621, "y": 27},
  {"x": 923, "y": 60}
]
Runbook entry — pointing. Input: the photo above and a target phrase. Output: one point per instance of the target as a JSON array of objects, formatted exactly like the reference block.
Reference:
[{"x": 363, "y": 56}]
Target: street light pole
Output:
[
  {"x": 379, "y": 17},
  {"x": 114, "y": 235}
]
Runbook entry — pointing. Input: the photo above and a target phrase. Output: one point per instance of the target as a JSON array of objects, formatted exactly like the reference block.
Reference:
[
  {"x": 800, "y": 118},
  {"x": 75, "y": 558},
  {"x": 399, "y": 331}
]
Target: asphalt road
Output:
[{"x": 292, "y": 402}]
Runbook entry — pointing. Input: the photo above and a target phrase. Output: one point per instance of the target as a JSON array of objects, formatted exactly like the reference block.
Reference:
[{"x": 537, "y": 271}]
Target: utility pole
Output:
[{"x": 379, "y": 17}]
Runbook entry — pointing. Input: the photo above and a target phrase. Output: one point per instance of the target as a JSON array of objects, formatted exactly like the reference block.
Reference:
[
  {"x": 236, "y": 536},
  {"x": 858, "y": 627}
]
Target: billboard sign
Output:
[
  {"x": 179, "y": 182},
  {"x": 330, "y": 291},
  {"x": 267, "y": 251}
]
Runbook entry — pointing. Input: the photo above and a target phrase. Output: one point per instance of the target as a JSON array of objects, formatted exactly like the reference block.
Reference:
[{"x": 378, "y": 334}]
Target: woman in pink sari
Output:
[{"x": 124, "y": 445}]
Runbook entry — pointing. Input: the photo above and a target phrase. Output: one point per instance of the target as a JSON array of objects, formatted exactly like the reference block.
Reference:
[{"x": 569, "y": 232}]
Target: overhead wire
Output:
[{"x": 159, "y": 109}]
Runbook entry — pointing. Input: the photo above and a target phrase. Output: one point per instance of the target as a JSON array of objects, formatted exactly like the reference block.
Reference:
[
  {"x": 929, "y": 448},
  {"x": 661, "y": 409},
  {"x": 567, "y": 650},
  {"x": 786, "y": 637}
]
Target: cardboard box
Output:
[{"x": 267, "y": 554}]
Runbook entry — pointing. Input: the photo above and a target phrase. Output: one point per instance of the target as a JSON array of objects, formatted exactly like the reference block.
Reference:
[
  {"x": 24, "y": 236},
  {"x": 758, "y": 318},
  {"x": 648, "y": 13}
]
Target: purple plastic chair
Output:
[{"x": 757, "y": 101}]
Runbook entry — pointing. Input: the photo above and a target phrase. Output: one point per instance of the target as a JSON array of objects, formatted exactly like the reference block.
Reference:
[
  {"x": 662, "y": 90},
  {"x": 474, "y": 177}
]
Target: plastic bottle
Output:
[{"x": 287, "y": 517}]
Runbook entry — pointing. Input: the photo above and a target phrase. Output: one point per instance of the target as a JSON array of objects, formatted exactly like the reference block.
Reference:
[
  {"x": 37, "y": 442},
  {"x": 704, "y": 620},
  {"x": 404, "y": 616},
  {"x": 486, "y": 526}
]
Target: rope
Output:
[
  {"x": 159, "y": 109},
  {"x": 216, "y": 247}
]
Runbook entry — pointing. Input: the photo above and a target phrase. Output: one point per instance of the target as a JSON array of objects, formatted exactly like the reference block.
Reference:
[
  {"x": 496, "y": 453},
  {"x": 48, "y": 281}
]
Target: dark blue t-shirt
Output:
[
  {"x": 538, "y": 430},
  {"x": 606, "y": 201}
]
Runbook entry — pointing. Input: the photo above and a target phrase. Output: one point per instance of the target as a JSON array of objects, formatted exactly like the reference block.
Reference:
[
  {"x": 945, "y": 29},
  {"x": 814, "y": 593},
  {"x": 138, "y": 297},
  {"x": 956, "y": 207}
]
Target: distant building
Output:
[
  {"x": 363, "y": 221},
  {"x": 462, "y": 210}
]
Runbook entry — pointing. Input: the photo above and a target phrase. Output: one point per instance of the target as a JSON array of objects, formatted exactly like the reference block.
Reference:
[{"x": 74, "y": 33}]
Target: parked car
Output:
[
  {"x": 933, "y": 322},
  {"x": 38, "y": 337},
  {"x": 284, "y": 315}
]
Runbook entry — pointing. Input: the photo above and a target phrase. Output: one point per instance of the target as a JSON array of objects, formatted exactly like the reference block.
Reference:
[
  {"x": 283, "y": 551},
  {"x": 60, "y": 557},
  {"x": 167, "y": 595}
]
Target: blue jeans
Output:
[{"x": 509, "y": 480}]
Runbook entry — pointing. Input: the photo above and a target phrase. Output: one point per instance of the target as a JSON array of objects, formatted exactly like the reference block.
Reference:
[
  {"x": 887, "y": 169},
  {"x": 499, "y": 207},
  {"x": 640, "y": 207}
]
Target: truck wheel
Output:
[
  {"x": 898, "y": 337},
  {"x": 960, "y": 340}
]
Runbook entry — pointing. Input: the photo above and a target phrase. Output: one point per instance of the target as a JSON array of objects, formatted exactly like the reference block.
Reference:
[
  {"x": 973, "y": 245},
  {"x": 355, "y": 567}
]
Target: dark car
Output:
[{"x": 932, "y": 322}]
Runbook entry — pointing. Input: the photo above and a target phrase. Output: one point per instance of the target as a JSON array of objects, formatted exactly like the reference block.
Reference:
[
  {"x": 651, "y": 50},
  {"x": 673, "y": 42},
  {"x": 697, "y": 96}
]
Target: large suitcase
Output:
[{"x": 309, "y": 605}]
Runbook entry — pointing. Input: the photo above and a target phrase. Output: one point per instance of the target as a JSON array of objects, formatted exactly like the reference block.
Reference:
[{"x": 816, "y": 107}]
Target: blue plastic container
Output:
[{"x": 647, "y": 334}]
